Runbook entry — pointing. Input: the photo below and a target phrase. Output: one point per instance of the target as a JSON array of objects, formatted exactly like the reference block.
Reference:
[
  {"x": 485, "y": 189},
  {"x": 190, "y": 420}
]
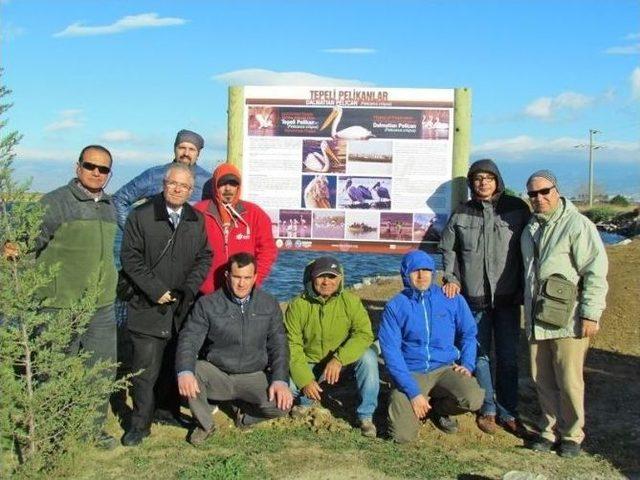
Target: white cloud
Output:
[
  {"x": 258, "y": 76},
  {"x": 130, "y": 22},
  {"x": 548, "y": 107},
  {"x": 519, "y": 147},
  {"x": 624, "y": 50},
  {"x": 67, "y": 120},
  {"x": 65, "y": 155},
  {"x": 633, "y": 36},
  {"x": 117, "y": 136},
  {"x": 635, "y": 83},
  {"x": 350, "y": 51}
]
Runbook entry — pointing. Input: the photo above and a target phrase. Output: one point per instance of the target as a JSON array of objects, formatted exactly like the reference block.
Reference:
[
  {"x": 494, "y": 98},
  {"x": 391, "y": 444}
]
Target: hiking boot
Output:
[
  {"x": 367, "y": 428},
  {"x": 514, "y": 427},
  {"x": 569, "y": 449},
  {"x": 445, "y": 423},
  {"x": 199, "y": 435},
  {"x": 539, "y": 444},
  {"x": 134, "y": 437},
  {"x": 487, "y": 423},
  {"x": 165, "y": 417},
  {"x": 104, "y": 441}
]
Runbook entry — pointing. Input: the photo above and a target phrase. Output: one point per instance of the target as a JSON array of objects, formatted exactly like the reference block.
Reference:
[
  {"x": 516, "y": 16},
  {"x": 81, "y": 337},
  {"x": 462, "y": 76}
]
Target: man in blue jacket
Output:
[
  {"x": 428, "y": 343},
  {"x": 186, "y": 149}
]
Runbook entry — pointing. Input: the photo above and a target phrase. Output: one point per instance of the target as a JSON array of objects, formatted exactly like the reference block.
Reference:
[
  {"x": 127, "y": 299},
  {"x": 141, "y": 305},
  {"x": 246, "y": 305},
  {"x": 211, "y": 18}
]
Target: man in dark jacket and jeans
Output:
[
  {"x": 480, "y": 246},
  {"x": 166, "y": 254},
  {"x": 245, "y": 351}
]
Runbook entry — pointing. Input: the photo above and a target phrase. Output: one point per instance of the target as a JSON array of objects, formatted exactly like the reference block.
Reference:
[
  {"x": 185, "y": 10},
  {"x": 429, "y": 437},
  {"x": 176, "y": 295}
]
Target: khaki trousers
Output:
[
  {"x": 557, "y": 371},
  {"x": 449, "y": 393}
]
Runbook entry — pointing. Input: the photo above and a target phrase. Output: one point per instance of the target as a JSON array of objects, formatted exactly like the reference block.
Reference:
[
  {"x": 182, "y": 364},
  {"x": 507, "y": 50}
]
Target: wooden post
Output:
[
  {"x": 235, "y": 126},
  {"x": 461, "y": 146}
]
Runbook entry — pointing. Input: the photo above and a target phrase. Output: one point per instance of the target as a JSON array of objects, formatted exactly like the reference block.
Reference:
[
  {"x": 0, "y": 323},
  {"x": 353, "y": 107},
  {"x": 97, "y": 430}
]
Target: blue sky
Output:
[{"x": 130, "y": 74}]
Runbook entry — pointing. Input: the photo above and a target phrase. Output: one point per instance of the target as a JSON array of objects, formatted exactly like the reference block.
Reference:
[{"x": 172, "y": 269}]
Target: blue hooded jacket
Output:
[{"x": 423, "y": 331}]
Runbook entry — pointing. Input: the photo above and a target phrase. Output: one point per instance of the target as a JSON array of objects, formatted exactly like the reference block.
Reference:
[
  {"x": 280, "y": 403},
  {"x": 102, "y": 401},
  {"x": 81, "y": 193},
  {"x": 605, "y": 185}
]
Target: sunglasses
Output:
[
  {"x": 484, "y": 178},
  {"x": 542, "y": 191},
  {"x": 92, "y": 166}
]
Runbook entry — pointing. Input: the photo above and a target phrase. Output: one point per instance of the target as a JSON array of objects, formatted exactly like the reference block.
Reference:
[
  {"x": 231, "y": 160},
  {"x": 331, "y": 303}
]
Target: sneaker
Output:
[
  {"x": 539, "y": 444},
  {"x": 105, "y": 441},
  {"x": 445, "y": 423},
  {"x": 569, "y": 449},
  {"x": 367, "y": 428},
  {"x": 134, "y": 437},
  {"x": 514, "y": 427},
  {"x": 199, "y": 435},
  {"x": 487, "y": 423}
]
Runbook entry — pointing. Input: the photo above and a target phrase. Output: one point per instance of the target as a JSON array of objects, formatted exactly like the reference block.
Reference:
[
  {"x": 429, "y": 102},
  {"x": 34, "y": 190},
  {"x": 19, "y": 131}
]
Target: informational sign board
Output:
[{"x": 347, "y": 169}]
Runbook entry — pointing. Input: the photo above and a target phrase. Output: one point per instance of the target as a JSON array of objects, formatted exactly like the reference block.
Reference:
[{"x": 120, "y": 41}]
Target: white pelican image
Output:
[
  {"x": 264, "y": 121},
  {"x": 355, "y": 132},
  {"x": 320, "y": 161}
]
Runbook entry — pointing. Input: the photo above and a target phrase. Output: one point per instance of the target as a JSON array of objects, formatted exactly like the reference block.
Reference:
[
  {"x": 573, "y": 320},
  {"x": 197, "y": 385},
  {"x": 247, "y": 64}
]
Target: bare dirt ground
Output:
[{"x": 325, "y": 446}]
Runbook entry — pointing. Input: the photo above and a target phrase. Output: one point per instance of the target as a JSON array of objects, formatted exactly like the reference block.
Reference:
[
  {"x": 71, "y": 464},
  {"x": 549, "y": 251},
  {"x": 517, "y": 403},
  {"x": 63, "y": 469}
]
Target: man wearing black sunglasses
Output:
[
  {"x": 561, "y": 249},
  {"x": 78, "y": 232}
]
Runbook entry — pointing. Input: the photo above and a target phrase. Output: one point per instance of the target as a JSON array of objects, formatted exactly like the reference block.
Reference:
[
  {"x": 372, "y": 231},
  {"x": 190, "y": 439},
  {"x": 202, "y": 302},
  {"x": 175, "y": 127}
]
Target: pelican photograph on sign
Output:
[
  {"x": 328, "y": 224},
  {"x": 364, "y": 193},
  {"x": 324, "y": 156},
  {"x": 318, "y": 191}
]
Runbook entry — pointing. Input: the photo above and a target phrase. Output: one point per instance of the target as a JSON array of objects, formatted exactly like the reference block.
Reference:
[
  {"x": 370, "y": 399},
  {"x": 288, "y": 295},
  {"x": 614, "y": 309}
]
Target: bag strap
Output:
[{"x": 164, "y": 250}]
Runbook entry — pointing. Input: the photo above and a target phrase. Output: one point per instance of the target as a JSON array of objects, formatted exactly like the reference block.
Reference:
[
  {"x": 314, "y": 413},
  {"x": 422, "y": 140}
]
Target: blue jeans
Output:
[
  {"x": 501, "y": 325},
  {"x": 367, "y": 380}
]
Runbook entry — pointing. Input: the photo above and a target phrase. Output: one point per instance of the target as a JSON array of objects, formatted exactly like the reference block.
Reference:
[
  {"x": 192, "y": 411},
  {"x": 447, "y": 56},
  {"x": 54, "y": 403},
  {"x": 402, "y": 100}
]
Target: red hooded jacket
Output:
[{"x": 249, "y": 231}]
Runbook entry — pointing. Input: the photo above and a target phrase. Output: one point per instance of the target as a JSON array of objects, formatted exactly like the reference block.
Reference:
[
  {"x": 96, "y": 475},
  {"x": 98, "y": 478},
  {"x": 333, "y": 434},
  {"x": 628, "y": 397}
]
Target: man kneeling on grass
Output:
[
  {"x": 428, "y": 342},
  {"x": 329, "y": 332},
  {"x": 245, "y": 351}
]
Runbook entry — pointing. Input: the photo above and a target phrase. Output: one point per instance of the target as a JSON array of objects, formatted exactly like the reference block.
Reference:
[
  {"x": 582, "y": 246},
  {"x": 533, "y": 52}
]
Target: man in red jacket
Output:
[{"x": 234, "y": 226}]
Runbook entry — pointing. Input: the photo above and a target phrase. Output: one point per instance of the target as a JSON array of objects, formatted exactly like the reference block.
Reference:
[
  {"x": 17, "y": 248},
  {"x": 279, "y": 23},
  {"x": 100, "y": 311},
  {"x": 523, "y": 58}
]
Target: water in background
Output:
[{"x": 285, "y": 280}]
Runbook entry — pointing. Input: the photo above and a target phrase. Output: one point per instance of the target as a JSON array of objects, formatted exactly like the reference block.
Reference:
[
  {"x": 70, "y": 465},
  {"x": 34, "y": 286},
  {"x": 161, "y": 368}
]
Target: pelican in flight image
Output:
[
  {"x": 355, "y": 132},
  {"x": 264, "y": 121},
  {"x": 320, "y": 161}
]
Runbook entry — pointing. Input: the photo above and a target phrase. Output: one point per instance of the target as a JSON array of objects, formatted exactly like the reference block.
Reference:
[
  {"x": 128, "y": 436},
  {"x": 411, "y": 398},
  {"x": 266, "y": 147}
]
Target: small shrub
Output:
[
  {"x": 600, "y": 214},
  {"x": 620, "y": 201}
]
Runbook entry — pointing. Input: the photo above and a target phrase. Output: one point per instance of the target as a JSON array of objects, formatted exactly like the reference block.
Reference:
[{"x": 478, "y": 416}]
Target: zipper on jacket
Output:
[{"x": 428, "y": 330}]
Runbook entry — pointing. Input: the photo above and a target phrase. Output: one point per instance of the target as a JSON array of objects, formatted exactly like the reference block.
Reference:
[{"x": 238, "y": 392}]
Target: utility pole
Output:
[
  {"x": 591, "y": 147},
  {"x": 592, "y": 132}
]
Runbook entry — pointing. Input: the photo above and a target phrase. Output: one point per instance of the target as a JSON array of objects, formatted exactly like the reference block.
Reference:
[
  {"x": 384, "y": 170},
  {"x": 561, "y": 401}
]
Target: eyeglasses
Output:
[
  {"x": 484, "y": 178},
  {"x": 92, "y": 166},
  {"x": 174, "y": 184},
  {"x": 542, "y": 191}
]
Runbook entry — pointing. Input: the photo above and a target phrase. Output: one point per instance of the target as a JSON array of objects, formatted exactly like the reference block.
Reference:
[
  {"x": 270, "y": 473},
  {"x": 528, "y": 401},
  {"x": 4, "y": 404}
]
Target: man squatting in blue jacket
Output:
[{"x": 428, "y": 342}]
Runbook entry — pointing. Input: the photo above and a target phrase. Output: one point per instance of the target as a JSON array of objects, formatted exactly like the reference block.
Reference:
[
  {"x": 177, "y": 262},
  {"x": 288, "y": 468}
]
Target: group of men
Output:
[{"x": 202, "y": 330}]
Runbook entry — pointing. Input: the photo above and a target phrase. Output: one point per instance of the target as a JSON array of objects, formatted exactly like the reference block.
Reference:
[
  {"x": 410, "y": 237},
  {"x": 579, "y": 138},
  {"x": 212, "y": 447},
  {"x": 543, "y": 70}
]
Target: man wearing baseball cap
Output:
[
  {"x": 329, "y": 332},
  {"x": 428, "y": 343}
]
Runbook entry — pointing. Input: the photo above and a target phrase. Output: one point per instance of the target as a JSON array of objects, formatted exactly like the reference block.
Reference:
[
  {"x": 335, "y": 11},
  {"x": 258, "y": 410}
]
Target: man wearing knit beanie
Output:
[
  {"x": 186, "y": 149},
  {"x": 561, "y": 250}
]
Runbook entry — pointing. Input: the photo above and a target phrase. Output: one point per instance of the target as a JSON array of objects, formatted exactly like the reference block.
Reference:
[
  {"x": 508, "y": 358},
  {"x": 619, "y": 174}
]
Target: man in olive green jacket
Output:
[
  {"x": 560, "y": 241},
  {"x": 77, "y": 235},
  {"x": 329, "y": 330}
]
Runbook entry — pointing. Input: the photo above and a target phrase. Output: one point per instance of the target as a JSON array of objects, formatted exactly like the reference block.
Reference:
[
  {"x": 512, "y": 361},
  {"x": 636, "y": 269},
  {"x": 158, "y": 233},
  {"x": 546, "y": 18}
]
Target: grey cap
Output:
[
  {"x": 326, "y": 265},
  {"x": 547, "y": 174},
  {"x": 189, "y": 136}
]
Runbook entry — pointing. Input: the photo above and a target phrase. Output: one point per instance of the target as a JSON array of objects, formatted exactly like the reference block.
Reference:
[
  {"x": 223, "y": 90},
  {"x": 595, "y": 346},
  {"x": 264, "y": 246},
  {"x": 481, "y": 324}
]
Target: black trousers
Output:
[{"x": 155, "y": 387}]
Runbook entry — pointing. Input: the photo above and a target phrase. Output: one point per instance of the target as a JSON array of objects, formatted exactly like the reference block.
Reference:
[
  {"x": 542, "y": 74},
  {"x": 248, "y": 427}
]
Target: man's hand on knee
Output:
[
  {"x": 463, "y": 370},
  {"x": 332, "y": 371},
  {"x": 421, "y": 406},
  {"x": 280, "y": 393},
  {"x": 188, "y": 385},
  {"x": 312, "y": 391}
]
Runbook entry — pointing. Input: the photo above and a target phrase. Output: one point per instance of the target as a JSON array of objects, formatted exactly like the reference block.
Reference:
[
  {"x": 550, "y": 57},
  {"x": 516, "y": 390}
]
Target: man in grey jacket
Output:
[
  {"x": 481, "y": 247},
  {"x": 560, "y": 242},
  {"x": 245, "y": 350}
]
